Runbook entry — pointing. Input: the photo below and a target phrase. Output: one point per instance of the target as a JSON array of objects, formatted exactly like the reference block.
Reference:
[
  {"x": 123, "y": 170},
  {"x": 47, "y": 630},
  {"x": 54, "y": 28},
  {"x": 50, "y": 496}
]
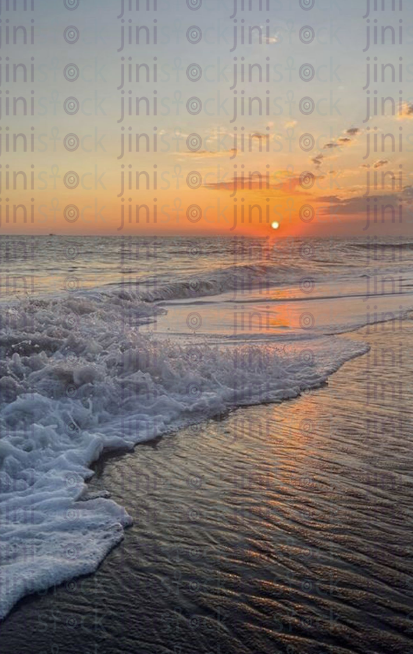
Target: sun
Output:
[{"x": 275, "y": 225}]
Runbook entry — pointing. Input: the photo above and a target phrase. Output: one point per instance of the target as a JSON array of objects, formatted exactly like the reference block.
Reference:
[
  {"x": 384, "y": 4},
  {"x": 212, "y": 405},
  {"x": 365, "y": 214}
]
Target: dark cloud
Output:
[
  {"x": 332, "y": 199},
  {"x": 318, "y": 160},
  {"x": 251, "y": 183},
  {"x": 358, "y": 204}
]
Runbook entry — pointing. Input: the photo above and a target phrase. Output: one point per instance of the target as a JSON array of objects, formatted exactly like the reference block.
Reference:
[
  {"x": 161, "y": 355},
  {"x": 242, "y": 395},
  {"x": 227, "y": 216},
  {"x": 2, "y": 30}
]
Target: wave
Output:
[
  {"x": 78, "y": 377},
  {"x": 375, "y": 245},
  {"x": 239, "y": 278}
]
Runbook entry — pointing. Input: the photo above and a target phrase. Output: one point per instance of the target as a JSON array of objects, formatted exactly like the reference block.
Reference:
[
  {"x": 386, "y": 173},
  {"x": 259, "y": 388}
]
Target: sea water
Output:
[{"x": 108, "y": 342}]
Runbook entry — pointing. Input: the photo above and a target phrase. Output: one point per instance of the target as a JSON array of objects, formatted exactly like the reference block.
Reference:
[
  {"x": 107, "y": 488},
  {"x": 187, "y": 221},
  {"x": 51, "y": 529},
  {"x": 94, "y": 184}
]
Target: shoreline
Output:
[{"x": 149, "y": 480}]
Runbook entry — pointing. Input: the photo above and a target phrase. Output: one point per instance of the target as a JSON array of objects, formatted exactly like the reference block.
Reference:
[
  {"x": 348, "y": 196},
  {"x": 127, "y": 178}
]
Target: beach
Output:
[
  {"x": 206, "y": 327},
  {"x": 276, "y": 528}
]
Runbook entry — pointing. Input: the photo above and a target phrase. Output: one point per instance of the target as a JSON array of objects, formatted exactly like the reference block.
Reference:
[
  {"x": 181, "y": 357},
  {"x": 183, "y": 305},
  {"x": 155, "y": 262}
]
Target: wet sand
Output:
[{"x": 278, "y": 528}]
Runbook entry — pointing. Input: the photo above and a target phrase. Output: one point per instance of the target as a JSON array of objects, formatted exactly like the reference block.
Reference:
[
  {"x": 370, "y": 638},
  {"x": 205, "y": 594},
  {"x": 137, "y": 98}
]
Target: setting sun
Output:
[{"x": 222, "y": 412}]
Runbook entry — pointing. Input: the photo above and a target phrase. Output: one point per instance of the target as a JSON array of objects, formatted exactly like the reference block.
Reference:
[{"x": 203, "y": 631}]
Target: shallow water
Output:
[
  {"x": 93, "y": 367},
  {"x": 279, "y": 528}
]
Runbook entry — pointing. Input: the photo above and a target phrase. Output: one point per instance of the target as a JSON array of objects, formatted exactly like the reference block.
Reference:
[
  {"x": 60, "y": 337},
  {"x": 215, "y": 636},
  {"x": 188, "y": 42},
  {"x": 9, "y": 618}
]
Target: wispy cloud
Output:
[
  {"x": 406, "y": 111},
  {"x": 380, "y": 163}
]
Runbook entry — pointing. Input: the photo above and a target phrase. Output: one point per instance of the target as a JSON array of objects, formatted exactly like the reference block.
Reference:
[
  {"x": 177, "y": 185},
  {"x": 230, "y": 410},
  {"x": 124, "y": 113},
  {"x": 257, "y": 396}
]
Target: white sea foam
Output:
[{"x": 79, "y": 377}]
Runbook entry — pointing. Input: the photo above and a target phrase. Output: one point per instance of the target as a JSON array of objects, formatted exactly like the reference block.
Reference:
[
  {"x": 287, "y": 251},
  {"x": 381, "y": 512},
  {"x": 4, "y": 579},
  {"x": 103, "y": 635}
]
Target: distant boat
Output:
[{"x": 52, "y": 234}]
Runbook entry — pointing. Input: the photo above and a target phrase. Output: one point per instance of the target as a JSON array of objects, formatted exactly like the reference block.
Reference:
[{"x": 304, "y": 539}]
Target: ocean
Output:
[{"x": 107, "y": 343}]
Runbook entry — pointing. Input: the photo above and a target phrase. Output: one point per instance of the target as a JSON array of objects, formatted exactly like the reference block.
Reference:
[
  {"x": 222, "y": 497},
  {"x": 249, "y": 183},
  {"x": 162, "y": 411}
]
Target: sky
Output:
[{"x": 319, "y": 172}]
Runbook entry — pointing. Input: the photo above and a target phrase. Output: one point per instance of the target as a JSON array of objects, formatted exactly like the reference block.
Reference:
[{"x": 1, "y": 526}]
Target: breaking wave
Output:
[
  {"x": 80, "y": 374},
  {"x": 239, "y": 278}
]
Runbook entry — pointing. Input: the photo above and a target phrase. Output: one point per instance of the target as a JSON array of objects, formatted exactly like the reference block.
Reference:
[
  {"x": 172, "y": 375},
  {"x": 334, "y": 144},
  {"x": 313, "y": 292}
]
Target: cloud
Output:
[
  {"x": 206, "y": 154},
  {"x": 249, "y": 183},
  {"x": 329, "y": 198},
  {"x": 288, "y": 184},
  {"x": 271, "y": 39},
  {"x": 408, "y": 193},
  {"x": 357, "y": 205},
  {"x": 378, "y": 164},
  {"x": 318, "y": 160},
  {"x": 406, "y": 112},
  {"x": 343, "y": 140}
]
